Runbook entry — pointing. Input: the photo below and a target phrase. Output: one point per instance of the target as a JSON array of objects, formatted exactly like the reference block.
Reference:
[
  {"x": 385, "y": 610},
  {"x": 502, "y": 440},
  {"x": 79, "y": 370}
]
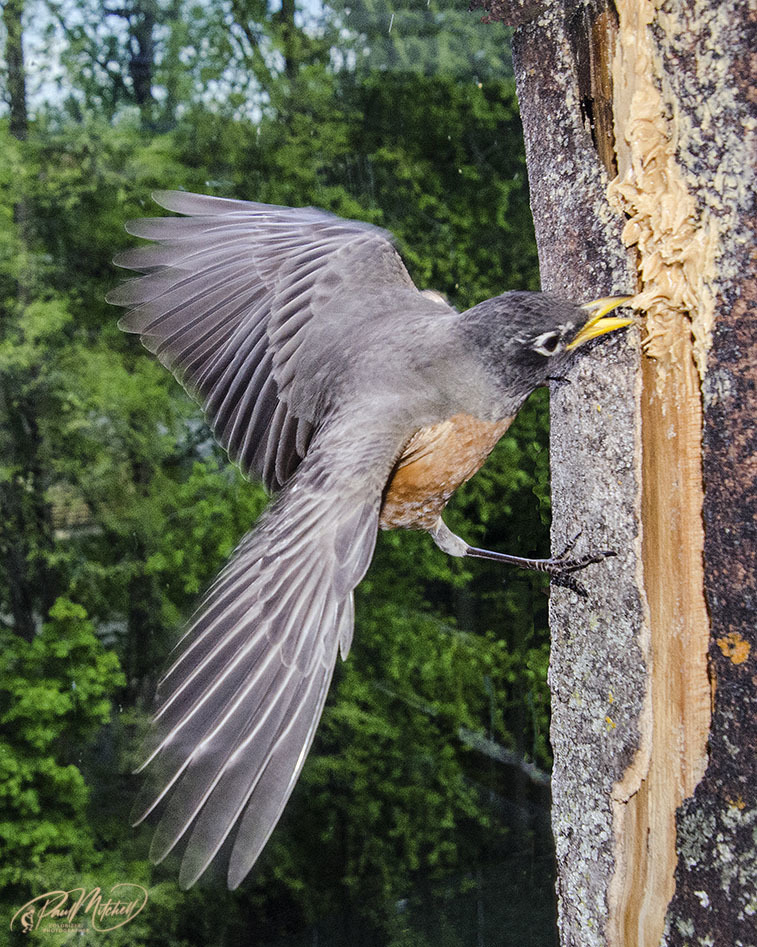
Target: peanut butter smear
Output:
[{"x": 677, "y": 248}]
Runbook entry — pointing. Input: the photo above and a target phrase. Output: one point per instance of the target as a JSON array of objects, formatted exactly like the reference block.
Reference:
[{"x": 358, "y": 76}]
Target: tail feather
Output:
[
  {"x": 277, "y": 781},
  {"x": 241, "y": 701},
  {"x": 267, "y": 794},
  {"x": 256, "y": 726}
]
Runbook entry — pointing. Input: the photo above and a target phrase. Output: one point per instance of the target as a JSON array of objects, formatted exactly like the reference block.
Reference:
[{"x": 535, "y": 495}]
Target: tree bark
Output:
[
  {"x": 639, "y": 121},
  {"x": 142, "y": 19},
  {"x": 13, "y": 11},
  {"x": 289, "y": 39}
]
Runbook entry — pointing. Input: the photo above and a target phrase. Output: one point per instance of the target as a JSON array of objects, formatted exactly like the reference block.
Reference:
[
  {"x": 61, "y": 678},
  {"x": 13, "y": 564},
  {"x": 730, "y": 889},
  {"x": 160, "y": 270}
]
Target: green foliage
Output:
[
  {"x": 423, "y": 38},
  {"x": 55, "y": 693},
  {"x": 117, "y": 509}
]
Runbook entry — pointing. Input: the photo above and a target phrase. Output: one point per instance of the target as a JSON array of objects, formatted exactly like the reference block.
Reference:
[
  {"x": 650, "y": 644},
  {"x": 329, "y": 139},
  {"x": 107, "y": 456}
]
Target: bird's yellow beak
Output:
[{"x": 597, "y": 323}]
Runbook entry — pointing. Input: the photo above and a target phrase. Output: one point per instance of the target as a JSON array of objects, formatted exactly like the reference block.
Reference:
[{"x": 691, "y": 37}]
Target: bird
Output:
[{"x": 362, "y": 403}]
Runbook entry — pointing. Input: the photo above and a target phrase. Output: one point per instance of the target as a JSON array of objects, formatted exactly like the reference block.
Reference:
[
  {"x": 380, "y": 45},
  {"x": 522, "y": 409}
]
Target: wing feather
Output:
[
  {"x": 231, "y": 297},
  {"x": 240, "y": 703},
  {"x": 238, "y": 794}
]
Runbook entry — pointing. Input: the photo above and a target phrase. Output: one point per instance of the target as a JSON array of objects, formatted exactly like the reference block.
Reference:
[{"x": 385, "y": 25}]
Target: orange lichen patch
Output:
[
  {"x": 436, "y": 460},
  {"x": 734, "y": 647},
  {"x": 737, "y": 803},
  {"x": 610, "y": 723}
]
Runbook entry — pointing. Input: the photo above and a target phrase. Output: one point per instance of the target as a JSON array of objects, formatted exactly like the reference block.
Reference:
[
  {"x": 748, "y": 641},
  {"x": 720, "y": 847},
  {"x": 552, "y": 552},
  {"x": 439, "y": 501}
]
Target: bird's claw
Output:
[
  {"x": 563, "y": 565},
  {"x": 565, "y": 581}
]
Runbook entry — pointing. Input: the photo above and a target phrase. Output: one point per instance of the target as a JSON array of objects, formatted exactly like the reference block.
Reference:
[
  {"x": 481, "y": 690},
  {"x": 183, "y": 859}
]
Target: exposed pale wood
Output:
[
  {"x": 673, "y": 245},
  {"x": 674, "y": 735}
]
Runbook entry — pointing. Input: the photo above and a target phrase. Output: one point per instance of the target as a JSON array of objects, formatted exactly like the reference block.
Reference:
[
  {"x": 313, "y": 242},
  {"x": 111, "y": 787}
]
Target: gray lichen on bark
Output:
[{"x": 597, "y": 666}]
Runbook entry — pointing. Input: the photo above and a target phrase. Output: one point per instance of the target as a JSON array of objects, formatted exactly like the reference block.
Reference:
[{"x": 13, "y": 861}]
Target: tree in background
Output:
[{"x": 129, "y": 508}]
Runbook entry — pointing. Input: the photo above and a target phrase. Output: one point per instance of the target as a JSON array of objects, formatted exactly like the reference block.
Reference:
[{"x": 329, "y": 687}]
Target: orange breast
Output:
[{"x": 436, "y": 460}]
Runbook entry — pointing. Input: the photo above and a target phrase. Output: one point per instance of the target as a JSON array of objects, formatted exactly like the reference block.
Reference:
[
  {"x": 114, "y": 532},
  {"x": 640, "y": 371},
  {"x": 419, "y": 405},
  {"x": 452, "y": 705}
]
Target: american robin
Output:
[{"x": 363, "y": 404}]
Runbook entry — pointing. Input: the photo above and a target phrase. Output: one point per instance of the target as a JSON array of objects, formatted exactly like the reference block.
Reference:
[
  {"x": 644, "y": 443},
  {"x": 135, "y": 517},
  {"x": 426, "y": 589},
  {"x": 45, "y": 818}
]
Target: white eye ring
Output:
[{"x": 549, "y": 343}]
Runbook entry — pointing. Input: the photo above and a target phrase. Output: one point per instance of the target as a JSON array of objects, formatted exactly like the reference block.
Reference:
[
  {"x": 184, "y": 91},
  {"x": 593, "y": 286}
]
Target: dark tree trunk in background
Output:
[
  {"x": 14, "y": 63},
  {"x": 26, "y": 526},
  {"x": 639, "y": 122},
  {"x": 142, "y": 59},
  {"x": 289, "y": 38},
  {"x": 26, "y": 529},
  {"x": 142, "y": 19}
]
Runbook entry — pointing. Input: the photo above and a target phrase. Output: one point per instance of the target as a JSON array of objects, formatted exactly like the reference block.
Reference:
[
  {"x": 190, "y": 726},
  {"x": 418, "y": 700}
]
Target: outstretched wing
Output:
[
  {"x": 236, "y": 302},
  {"x": 239, "y": 706}
]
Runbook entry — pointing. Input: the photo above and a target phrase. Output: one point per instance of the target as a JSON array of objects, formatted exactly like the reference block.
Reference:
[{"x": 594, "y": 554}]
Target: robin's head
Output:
[{"x": 526, "y": 337}]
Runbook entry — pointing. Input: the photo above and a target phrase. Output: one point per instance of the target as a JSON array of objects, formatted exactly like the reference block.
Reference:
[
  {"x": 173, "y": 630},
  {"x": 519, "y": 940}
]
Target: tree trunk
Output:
[
  {"x": 289, "y": 39},
  {"x": 14, "y": 58},
  {"x": 639, "y": 123},
  {"x": 26, "y": 529},
  {"x": 142, "y": 19}
]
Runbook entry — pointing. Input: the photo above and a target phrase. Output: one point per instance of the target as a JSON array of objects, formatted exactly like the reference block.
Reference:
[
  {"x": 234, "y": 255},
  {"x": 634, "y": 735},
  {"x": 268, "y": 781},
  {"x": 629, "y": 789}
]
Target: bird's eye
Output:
[{"x": 548, "y": 343}]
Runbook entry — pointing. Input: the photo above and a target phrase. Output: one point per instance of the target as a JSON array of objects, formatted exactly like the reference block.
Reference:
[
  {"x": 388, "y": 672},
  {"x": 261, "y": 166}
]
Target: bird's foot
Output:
[{"x": 560, "y": 568}]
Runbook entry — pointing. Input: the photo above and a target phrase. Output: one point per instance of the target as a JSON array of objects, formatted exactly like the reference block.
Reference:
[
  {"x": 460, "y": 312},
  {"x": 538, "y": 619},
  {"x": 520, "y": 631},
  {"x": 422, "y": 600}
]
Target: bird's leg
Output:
[{"x": 559, "y": 568}]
